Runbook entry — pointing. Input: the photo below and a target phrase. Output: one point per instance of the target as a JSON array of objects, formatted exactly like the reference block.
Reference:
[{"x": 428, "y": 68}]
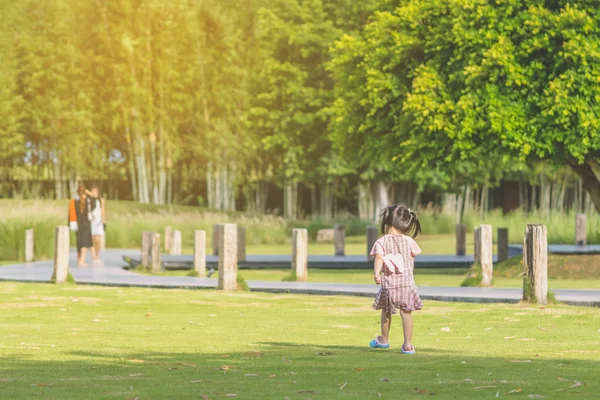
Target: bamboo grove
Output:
[{"x": 338, "y": 101}]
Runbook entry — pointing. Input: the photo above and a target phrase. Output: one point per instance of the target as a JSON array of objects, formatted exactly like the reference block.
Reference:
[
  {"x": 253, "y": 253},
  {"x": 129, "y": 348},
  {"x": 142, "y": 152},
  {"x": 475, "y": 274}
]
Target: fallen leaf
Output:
[
  {"x": 520, "y": 313},
  {"x": 358, "y": 369},
  {"x": 137, "y": 361},
  {"x": 556, "y": 316},
  {"x": 343, "y": 386},
  {"x": 423, "y": 391},
  {"x": 197, "y": 381},
  {"x": 464, "y": 362},
  {"x": 325, "y": 353},
  {"x": 225, "y": 356},
  {"x": 541, "y": 329},
  {"x": 99, "y": 320},
  {"x": 535, "y": 396},
  {"x": 250, "y": 374},
  {"x": 42, "y": 384},
  {"x": 446, "y": 329},
  {"x": 562, "y": 379},
  {"x": 519, "y": 390},
  {"x": 285, "y": 360},
  {"x": 519, "y": 361},
  {"x": 172, "y": 369},
  {"x": 272, "y": 376},
  {"x": 509, "y": 337},
  {"x": 132, "y": 375},
  {"x": 384, "y": 379},
  {"x": 148, "y": 314},
  {"x": 468, "y": 380},
  {"x": 186, "y": 364},
  {"x": 577, "y": 384},
  {"x": 526, "y": 339},
  {"x": 293, "y": 373},
  {"x": 487, "y": 329},
  {"x": 212, "y": 315},
  {"x": 484, "y": 387}
]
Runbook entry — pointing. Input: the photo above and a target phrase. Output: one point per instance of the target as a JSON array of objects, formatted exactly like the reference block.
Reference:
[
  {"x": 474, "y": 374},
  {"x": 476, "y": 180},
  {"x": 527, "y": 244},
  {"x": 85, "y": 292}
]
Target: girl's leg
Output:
[
  {"x": 386, "y": 323},
  {"x": 96, "y": 248},
  {"x": 407, "y": 327},
  {"x": 81, "y": 261}
]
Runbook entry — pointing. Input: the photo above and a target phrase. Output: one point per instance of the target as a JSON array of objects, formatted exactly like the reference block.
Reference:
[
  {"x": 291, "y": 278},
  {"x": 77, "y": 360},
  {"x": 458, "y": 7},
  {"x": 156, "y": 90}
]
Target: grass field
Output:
[
  {"x": 74, "y": 342},
  {"x": 423, "y": 277}
]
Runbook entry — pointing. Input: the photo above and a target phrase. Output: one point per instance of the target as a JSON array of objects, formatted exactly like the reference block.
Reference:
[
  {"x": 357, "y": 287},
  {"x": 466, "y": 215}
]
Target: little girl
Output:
[{"x": 394, "y": 254}]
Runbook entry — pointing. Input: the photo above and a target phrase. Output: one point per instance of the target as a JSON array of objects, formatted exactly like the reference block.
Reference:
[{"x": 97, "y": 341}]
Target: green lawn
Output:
[
  {"x": 357, "y": 245},
  {"x": 423, "y": 277},
  {"x": 74, "y": 342}
]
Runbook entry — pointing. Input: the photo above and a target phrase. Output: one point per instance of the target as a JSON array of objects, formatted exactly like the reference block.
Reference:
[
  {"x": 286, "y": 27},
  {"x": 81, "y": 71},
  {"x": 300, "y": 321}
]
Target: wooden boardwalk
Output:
[
  {"x": 111, "y": 273},
  {"x": 186, "y": 262}
]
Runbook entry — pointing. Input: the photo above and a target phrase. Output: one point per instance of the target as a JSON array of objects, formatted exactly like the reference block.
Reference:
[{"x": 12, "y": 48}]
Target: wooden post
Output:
[
  {"x": 241, "y": 244},
  {"x": 535, "y": 260},
  {"x": 339, "y": 239},
  {"x": 145, "y": 249},
  {"x": 581, "y": 230},
  {"x": 156, "y": 265},
  {"x": 477, "y": 246},
  {"x": 461, "y": 239},
  {"x": 216, "y": 234},
  {"x": 300, "y": 254},
  {"x": 228, "y": 257},
  {"x": 486, "y": 254},
  {"x": 61, "y": 254},
  {"x": 502, "y": 244},
  {"x": 29, "y": 245},
  {"x": 168, "y": 238},
  {"x": 372, "y": 236},
  {"x": 200, "y": 253},
  {"x": 175, "y": 245}
]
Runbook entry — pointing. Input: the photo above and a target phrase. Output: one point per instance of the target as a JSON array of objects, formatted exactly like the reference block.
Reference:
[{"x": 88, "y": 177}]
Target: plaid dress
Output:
[{"x": 398, "y": 290}]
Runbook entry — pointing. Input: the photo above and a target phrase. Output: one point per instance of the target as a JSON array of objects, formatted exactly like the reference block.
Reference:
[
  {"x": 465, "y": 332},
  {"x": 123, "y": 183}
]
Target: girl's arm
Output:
[
  {"x": 102, "y": 209},
  {"x": 378, "y": 266}
]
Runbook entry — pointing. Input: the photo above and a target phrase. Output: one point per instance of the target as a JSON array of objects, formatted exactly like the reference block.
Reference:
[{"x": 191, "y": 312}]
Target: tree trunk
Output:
[
  {"x": 314, "y": 206},
  {"x": 381, "y": 197},
  {"x": 154, "y": 169},
  {"x": 290, "y": 196},
  {"x": 483, "y": 205},
  {"x": 58, "y": 179},
  {"x": 132, "y": 171},
  {"x": 533, "y": 199},
  {"x": 589, "y": 174},
  {"x": 326, "y": 201},
  {"x": 365, "y": 201},
  {"x": 467, "y": 201}
]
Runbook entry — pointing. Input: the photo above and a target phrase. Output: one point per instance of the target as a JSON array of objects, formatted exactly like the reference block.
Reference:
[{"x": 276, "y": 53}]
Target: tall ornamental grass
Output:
[{"x": 127, "y": 220}]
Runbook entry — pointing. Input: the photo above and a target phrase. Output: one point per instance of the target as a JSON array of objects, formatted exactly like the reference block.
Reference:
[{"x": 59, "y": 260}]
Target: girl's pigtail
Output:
[
  {"x": 415, "y": 224},
  {"x": 385, "y": 216}
]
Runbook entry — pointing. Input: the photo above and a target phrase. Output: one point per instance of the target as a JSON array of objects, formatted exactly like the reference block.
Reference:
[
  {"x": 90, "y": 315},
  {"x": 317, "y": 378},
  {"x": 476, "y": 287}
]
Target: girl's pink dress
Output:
[{"x": 398, "y": 289}]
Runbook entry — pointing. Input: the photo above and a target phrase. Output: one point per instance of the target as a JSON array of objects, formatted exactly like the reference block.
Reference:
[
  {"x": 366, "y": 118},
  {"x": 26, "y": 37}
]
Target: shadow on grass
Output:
[{"x": 276, "y": 370}]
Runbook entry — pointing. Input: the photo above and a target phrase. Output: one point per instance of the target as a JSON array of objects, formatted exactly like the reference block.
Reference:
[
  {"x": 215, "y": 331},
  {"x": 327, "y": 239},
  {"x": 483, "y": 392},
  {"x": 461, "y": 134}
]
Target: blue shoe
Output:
[
  {"x": 376, "y": 345},
  {"x": 402, "y": 351}
]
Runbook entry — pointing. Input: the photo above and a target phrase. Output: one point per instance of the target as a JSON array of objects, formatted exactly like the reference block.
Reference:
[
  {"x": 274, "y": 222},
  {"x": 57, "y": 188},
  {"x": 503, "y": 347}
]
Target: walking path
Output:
[
  {"x": 113, "y": 274},
  {"x": 273, "y": 261}
]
